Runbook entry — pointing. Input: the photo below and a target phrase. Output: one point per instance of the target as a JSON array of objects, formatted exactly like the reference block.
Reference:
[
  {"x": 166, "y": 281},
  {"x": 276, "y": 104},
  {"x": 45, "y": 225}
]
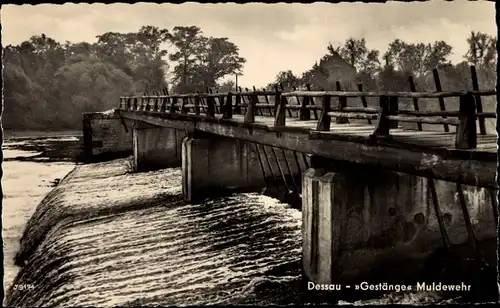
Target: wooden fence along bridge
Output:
[{"x": 367, "y": 182}]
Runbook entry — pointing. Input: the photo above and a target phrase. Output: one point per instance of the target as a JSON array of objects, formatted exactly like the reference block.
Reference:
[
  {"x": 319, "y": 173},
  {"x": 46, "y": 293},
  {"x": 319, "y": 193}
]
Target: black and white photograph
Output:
[{"x": 256, "y": 154}]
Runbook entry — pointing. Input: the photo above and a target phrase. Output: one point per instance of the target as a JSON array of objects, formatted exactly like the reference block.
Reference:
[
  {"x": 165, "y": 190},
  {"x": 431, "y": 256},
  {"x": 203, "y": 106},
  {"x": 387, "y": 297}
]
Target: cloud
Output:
[{"x": 272, "y": 37}]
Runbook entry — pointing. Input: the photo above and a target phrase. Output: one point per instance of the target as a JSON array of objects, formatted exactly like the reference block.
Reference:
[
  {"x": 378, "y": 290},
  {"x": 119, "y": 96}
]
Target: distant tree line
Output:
[
  {"x": 390, "y": 71},
  {"x": 48, "y": 84}
]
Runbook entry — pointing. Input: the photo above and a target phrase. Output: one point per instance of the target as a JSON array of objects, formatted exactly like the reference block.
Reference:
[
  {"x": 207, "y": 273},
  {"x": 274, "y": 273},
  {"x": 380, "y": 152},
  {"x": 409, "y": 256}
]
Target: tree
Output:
[
  {"x": 189, "y": 42},
  {"x": 370, "y": 65},
  {"x": 227, "y": 86},
  {"x": 89, "y": 85},
  {"x": 218, "y": 59},
  {"x": 417, "y": 59},
  {"x": 482, "y": 49},
  {"x": 138, "y": 54},
  {"x": 354, "y": 51},
  {"x": 287, "y": 79}
]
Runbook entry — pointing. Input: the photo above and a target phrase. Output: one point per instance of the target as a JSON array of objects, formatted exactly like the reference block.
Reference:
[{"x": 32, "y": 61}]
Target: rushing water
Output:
[
  {"x": 241, "y": 249},
  {"x": 245, "y": 248},
  {"x": 24, "y": 184}
]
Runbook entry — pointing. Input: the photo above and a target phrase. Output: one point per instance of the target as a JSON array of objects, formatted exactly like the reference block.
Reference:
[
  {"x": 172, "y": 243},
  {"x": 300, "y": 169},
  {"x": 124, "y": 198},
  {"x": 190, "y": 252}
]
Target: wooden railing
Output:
[
  {"x": 320, "y": 105},
  {"x": 387, "y": 115}
]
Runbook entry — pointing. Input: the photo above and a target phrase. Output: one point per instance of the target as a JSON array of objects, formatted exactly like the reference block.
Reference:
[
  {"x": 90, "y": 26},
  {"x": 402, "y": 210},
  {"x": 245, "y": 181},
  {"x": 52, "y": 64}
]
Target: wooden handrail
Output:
[{"x": 386, "y": 116}]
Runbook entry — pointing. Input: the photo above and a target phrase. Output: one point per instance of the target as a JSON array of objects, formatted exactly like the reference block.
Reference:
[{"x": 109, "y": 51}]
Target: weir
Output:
[{"x": 377, "y": 200}]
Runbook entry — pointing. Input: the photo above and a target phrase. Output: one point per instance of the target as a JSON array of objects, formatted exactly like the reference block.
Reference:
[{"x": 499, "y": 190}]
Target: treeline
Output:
[
  {"x": 48, "y": 84},
  {"x": 354, "y": 64},
  {"x": 390, "y": 71}
]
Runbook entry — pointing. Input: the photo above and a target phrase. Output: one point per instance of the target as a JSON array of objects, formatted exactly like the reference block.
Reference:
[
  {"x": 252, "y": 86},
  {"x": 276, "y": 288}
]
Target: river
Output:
[
  {"x": 247, "y": 245},
  {"x": 25, "y": 183}
]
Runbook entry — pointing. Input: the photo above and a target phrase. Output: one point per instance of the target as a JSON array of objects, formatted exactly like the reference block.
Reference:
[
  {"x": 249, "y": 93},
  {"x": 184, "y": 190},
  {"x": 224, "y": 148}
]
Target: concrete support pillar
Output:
[
  {"x": 364, "y": 224},
  {"x": 215, "y": 166},
  {"x": 156, "y": 147}
]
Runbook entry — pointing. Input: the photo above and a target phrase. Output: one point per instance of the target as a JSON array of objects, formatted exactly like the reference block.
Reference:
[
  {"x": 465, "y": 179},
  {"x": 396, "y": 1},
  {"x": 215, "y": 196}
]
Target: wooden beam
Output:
[
  {"x": 324, "y": 117},
  {"x": 342, "y": 105},
  {"x": 466, "y": 137},
  {"x": 250, "y": 114},
  {"x": 210, "y": 107},
  {"x": 197, "y": 105},
  {"x": 304, "y": 113},
  {"x": 237, "y": 104},
  {"x": 228, "y": 107},
  {"x": 363, "y": 100},
  {"x": 441, "y": 99},
  {"x": 387, "y": 93},
  {"x": 393, "y": 110},
  {"x": 415, "y": 100},
  {"x": 280, "y": 119},
  {"x": 383, "y": 124},
  {"x": 479, "y": 104}
]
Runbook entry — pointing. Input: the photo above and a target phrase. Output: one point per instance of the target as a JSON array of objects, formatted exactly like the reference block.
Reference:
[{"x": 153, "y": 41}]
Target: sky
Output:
[{"x": 272, "y": 37}]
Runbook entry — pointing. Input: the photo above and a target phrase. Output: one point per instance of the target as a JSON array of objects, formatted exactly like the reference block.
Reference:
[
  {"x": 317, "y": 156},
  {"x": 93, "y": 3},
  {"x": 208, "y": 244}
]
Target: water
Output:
[
  {"x": 24, "y": 183},
  {"x": 241, "y": 249},
  {"x": 223, "y": 251}
]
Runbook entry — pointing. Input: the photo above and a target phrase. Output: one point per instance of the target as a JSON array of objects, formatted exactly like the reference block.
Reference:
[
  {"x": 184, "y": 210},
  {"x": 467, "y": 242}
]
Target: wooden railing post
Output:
[
  {"x": 415, "y": 100},
  {"x": 228, "y": 107},
  {"x": 250, "y": 114},
  {"x": 277, "y": 98},
  {"x": 363, "y": 99},
  {"x": 269, "y": 109},
  {"x": 210, "y": 107},
  {"x": 167, "y": 99},
  {"x": 383, "y": 125},
  {"x": 280, "y": 118},
  {"x": 156, "y": 102},
  {"x": 163, "y": 104},
  {"x": 324, "y": 119},
  {"x": 197, "y": 104},
  {"x": 183, "y": 105},
  {"x": 342, "y": 104},
  {"x": 222, "y": 105},
  {"x": 479, "y": 104},
  {"x": 237, "y": 104},
  {"x": 393, "y": 110},
  {"x": 441, "y": 100},
  {"x": 305, "y": 113},
  {"x": 173, "y": 105},
  {"x": 466, "y": 137},
  {"x": 283, "y": 90},
  {"x": 311, "y": 101},
  {"x": 144, "y": 102},
  {"x": 243, "y": 101}
]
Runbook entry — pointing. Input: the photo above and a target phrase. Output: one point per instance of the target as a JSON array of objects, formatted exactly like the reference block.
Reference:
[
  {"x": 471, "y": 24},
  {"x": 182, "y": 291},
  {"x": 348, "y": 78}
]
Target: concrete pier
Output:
[
  {"x": 156, "y": 147},
  {"x": 364, "y": 223},
  {"x": 106, "y": 135},
  {"x": 212, "y": 166}
]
